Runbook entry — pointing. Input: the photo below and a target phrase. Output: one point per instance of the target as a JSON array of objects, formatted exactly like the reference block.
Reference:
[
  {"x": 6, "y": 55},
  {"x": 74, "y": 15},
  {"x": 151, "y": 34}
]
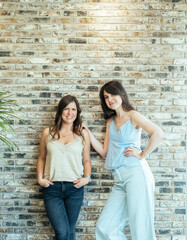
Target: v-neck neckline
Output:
[
  {"x": 121, "y": 125},
  {"x": 66, "y": 144}
]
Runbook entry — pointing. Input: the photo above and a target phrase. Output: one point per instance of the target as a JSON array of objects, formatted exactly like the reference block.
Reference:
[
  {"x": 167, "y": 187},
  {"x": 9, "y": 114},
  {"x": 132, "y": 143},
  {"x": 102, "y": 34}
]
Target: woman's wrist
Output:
[
  {"x": 89, "y": 178},
  {"x": 39, "y": 180},
  {"x": 142, "y": 154}
]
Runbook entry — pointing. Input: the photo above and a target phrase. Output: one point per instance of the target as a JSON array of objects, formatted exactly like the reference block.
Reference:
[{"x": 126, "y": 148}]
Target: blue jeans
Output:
[
  {"x": 131, "y": 202},
  {"x": 62, "y": 203}
]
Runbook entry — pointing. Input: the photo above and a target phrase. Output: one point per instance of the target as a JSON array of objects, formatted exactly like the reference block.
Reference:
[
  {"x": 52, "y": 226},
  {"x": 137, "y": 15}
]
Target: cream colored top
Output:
[{"x": 63, "y": 161}]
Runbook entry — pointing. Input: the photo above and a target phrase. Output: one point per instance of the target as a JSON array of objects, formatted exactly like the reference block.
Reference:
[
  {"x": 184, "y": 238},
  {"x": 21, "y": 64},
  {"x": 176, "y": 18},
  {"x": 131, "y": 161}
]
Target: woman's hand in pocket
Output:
[
  {"x": 81, "y": 182},
  {"x": 45, "y": 183}
]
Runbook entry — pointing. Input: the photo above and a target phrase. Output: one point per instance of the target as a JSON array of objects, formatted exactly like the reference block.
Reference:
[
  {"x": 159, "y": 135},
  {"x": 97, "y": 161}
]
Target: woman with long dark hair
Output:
[
  {"x": 132, "y": 198},
  {"x": 64, "y": 167}
]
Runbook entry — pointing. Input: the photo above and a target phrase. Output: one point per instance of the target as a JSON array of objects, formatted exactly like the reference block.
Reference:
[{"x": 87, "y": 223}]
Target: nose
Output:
[
  {"x": 69, "y": 111},
  {"x": 110, "y": 98}
]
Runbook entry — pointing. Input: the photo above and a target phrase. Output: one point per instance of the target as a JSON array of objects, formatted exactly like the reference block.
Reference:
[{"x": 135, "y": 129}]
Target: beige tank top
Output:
[{"x": 63, "y": 161}]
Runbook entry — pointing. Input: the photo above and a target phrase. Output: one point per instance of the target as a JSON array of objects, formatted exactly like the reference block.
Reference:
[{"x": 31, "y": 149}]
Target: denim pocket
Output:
[
  {"x": 78, "y": 188},
  {"x": 45, "y": 188}
]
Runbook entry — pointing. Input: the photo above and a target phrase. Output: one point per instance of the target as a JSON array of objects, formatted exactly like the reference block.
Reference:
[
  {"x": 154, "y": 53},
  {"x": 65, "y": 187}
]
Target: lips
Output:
[
  {"x": 112, "y": 103},
  {"x": 69, "y": 117}
]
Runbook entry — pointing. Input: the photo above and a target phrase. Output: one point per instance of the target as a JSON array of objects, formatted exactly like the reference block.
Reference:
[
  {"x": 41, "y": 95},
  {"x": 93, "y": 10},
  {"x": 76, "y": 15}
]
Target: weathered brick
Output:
[{"x": 49, "y": 49}]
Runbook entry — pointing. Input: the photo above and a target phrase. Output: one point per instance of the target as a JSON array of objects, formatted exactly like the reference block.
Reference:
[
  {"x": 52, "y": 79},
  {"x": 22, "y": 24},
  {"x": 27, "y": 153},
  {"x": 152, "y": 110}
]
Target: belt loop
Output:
[{"x": 62, "y": 186}]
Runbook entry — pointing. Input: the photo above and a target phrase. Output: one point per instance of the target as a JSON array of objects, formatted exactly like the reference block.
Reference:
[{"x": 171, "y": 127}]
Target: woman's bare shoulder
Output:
[
  {"x": 45, "y": 132},
  {"x": 85, "y": 133},
  {"x": 108, "y": 122}
]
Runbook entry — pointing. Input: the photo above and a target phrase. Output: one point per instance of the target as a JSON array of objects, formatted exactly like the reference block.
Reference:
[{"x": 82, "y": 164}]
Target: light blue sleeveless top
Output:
[{"x": 119, "y": 140}]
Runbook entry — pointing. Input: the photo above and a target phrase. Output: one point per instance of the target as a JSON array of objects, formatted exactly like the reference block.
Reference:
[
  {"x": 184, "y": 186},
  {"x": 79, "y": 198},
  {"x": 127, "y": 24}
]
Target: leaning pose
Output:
[
  {"x": 132, "y": 198},
  {"x": 64, "y": 167}
]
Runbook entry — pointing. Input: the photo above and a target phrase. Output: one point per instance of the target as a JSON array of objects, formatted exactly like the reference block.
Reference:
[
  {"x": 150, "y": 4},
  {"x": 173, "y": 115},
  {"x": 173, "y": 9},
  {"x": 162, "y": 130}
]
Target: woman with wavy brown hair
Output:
[{"x": 64, "y": 167}]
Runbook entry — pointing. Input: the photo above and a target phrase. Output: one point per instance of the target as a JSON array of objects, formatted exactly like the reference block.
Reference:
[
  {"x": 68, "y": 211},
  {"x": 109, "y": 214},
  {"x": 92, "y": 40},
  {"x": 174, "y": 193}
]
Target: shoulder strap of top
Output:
[
  {"x": 131, "y": 114},
  {"x": 50, "y": 131},
  {"x": 109, "y": 121}
]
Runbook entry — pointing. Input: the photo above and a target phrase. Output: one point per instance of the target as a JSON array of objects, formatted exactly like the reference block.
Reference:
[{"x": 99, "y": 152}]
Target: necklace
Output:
[{"x": 66, "y": 135}]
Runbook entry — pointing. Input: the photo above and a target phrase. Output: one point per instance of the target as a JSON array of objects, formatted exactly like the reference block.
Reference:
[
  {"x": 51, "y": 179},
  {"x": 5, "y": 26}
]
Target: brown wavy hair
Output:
[
  {"x": 58, "y": 118},
  {"x": 114, "y": 88}
]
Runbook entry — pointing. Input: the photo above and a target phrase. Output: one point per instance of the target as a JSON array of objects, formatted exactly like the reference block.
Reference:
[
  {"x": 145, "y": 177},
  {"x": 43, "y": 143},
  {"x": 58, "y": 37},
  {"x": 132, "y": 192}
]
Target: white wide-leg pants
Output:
[{"x": 131, "y": 202}]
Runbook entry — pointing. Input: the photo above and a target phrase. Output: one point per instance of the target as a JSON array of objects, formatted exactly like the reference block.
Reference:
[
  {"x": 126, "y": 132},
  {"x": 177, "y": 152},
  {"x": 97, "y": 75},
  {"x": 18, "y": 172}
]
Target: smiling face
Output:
[
  {"x": 69, "y": 113},
  {"x": 112, "y": 101}
]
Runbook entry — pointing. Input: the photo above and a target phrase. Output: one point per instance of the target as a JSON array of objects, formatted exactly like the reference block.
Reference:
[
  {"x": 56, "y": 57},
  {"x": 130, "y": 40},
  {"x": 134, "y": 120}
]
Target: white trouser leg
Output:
[
  {"x": 131, "y": 201},
  {"x": 140, "y": 201},
  {"x": 113, "y": 217}
]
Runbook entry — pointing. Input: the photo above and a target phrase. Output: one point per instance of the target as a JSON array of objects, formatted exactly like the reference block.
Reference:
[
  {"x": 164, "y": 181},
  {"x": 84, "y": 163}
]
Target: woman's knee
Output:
[{"x": 62, "y": 234}]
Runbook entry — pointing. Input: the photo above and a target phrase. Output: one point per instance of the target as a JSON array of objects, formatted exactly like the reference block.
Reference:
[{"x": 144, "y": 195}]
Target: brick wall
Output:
[{"x": 49, "y": 48}]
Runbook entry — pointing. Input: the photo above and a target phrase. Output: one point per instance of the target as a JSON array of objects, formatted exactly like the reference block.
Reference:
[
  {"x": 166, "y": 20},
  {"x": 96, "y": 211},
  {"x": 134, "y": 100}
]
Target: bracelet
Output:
[
  {"x": 142, "y": 154},
  {"x": 88, "y": 178}
]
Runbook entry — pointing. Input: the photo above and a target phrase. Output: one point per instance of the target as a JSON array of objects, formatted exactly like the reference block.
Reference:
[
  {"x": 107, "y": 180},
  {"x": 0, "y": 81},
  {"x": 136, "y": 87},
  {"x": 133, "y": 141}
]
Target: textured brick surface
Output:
[{"x": 49, "y": 48}]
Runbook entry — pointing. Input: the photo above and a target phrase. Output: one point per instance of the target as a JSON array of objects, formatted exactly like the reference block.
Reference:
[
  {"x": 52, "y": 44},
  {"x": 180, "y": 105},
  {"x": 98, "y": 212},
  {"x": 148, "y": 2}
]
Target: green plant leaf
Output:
[
  {"x": 8, "y": 108},
  {"x": 11, "y": 144},
  {"x": 8, "y": 142},
  {"x": 6, "y": 95},
  {"x": 6, "y": 121},
  {"x": 3, "y": 159},
  {"x": 3, "y": 127},
  {"x": 3, "y": 93}
]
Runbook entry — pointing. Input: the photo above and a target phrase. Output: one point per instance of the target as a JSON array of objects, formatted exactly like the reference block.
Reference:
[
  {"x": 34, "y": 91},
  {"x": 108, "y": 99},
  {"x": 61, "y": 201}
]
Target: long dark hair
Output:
[
  {"x": 114, "y": 88},
  {"x": 58, "y": 118}
]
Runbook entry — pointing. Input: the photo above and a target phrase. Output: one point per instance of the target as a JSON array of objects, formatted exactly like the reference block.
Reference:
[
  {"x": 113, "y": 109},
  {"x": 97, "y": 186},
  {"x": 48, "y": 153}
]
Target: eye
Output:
[{"x": 105, "y": 97}]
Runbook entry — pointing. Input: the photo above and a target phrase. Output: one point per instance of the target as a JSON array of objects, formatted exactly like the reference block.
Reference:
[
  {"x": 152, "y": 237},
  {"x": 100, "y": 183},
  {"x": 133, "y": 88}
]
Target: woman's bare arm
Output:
[
  {"x": 101, "y": 148},
  {"x": 85, "y": 161},
  {"x": 156, "y": 133},
  {"x": 41, "y": 160}
]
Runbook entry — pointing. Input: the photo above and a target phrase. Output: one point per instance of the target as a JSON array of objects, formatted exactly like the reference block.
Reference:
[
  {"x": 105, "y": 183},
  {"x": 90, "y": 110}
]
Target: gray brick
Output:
[{"x": 49, "y": 49}]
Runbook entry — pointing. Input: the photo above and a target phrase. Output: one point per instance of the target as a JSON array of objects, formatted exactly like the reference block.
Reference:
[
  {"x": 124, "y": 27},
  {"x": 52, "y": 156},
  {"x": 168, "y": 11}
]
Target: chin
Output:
[
  {"x": 71, "y": 121},
  {"x": 113, "y": 107}
]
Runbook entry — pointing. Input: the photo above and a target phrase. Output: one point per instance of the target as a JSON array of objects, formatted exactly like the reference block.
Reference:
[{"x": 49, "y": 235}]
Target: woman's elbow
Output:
[
  {"x": 160, "y": 135},
  {"x": 103, "y": 155}
]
